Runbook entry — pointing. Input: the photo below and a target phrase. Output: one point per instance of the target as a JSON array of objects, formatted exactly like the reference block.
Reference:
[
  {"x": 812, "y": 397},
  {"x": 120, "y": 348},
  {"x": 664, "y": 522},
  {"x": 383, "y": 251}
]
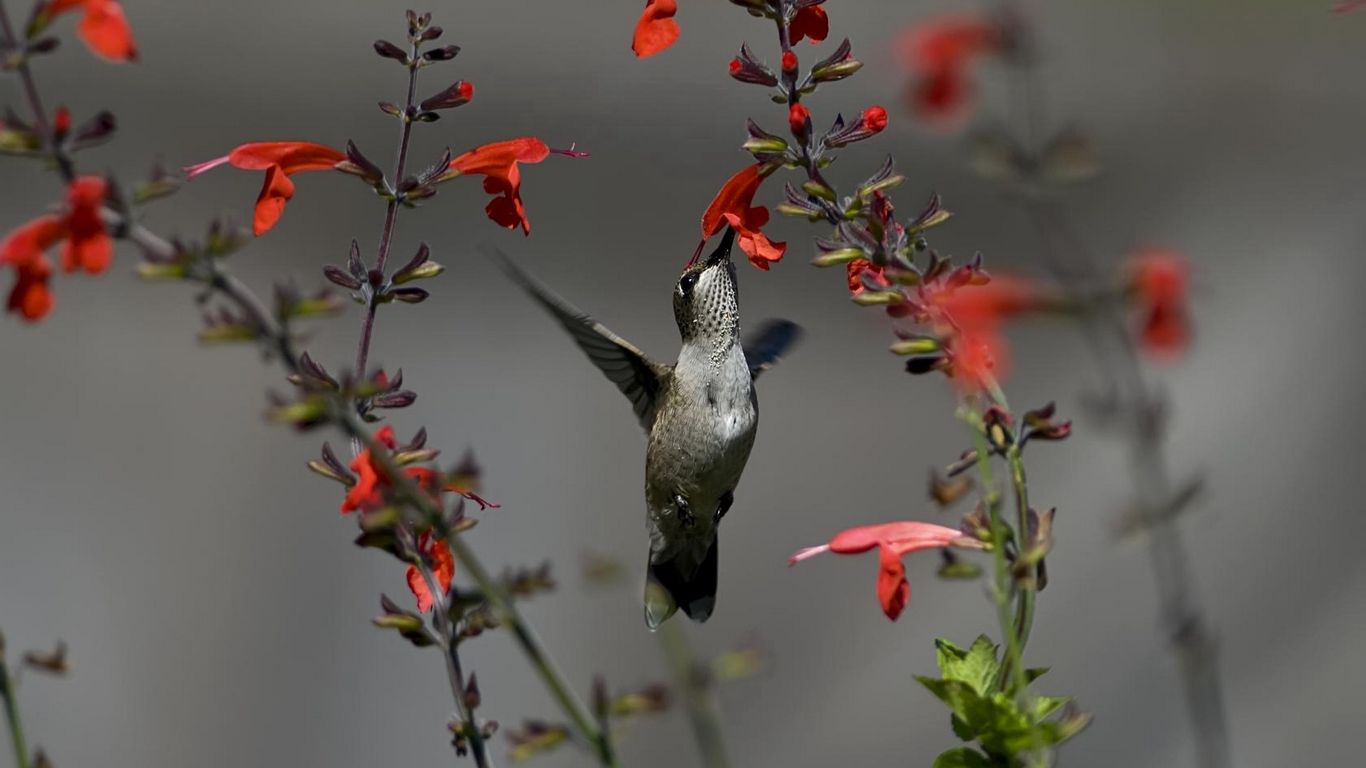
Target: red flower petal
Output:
[
  {"x": 89, "y": 247},
  {"x": 811, "y": 23},
  {"x": 893, "y": 590},
  {"x": 270, "y": 204},
  {"x": 438, "y": 555},
  {"x": 292, "y": 157},
  {"x": 736, "y": 196},
  {"x": 27, "y": 243},
  {"x": 946, "y": 41},
  {"x": 105, "y": 31},
  {"x": 498, "y": 163},
  {"x": 856, "y": 270},
  {"x": 656, "y": 29},
  {"x": 30, "y": 296},
  {"x": 756, "y": 245}
]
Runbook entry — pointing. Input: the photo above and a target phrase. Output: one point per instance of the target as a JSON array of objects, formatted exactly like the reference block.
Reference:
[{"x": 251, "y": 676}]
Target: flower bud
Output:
[
  {"x": 390, "y": 51},
  {"x": 789, "y": 62},
  {"x": 457, "y": 94}
]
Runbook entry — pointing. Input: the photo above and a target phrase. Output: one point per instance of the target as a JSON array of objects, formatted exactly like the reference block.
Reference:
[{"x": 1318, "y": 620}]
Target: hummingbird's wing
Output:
[
  {"x": 763, "y": 347},
  {"x": 637, "y": 376}
]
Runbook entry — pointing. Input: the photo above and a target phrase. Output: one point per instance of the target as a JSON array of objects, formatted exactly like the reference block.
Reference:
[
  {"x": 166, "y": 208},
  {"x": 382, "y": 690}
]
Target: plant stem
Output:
[
  {"x": 386, "y": 237},
  {"x": 16, "y": 726},
  {"x": 789, "y": 81},
  {"x": 35, "y": 101},
  {"x": 451, "y": 642},
  {"x": 695, "y": 683}
]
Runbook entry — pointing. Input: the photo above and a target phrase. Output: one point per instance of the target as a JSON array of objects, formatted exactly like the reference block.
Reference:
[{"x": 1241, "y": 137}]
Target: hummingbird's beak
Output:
[{"x": 722, "y": 252}]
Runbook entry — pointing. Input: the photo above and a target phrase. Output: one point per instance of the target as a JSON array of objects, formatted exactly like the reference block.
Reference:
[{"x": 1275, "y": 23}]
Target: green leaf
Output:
[
  {"x": 1047, "y": 705},
  {"x": 973, "y": 714},
  {"x": 975, "y": 666},
  {"x": 962, "y": 757},
  {"x": 1034, "y": 673}
]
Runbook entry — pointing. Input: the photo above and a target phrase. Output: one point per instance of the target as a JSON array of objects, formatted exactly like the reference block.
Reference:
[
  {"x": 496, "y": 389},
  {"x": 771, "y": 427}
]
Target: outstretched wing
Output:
[
  {"x": 771, "y": 341},
  {"x": 637, "y": 376}
]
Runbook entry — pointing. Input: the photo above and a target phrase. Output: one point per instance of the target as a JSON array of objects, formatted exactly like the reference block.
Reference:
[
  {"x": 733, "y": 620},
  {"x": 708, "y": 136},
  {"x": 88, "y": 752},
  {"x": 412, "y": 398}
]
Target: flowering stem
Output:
[
  {"x": 386, "y": 237},
  {"x": 451, "y": 647},
  {"x": 696, "y": 684},
  {"x": 35, "y": 101},
  {"x": 16, "y": 726},
  {"x": 782, "y": 17}
]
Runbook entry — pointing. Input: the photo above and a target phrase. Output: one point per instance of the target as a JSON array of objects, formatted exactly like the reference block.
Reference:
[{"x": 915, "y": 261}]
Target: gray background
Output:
[{"x": 218, "y": 614}]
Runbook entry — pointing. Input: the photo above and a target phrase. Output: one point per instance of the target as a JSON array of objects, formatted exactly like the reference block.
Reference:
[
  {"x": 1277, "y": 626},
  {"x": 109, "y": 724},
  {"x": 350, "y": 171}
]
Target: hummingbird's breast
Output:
[{"x": 700, "y": 442}]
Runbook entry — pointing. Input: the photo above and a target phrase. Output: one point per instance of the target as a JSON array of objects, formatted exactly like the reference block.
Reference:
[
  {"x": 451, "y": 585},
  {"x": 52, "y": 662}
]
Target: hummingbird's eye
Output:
[{"x": 686, "y": 284}]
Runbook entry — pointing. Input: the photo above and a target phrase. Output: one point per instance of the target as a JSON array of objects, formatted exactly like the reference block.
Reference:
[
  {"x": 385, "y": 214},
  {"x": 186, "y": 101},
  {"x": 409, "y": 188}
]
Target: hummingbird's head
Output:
[{"x": 706, "y": 305}]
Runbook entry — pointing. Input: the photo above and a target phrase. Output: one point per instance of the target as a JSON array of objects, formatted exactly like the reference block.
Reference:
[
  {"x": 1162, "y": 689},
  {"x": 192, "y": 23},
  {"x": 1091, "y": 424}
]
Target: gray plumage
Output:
[{"x": 700, "y": 414}]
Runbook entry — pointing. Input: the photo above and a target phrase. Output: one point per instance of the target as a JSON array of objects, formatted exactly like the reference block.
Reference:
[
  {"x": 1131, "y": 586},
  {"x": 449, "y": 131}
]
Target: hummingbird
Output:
[{"x": 700, "y": 414}]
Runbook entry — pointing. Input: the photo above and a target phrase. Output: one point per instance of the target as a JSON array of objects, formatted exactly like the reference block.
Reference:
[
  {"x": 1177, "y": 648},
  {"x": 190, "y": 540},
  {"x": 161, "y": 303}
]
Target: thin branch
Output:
[
  {"x": 16, "y": 726},
  {"x": 698, "y": 688}
]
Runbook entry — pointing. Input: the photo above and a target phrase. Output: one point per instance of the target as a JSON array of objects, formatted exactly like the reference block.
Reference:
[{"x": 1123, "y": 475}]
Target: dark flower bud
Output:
[
  {"x": 357, "y": 164},
  {"x": 338, "y": 276},
  {"x": 748, "y": 69},
  {"x": 946, "y": 491},
  {"x": 836, "y": 66},
  {"x": 400, "y": 399},
  {"x": 444, "y": 53},
  {"x": 409, "y": 295},
  {"x": 996, "y": 423},
  {"x": 44, "y": 45},
  {"x": 390, "y": 51},
  {"x": 472, "y": 697},
  {"x": 430, "y": 33},
  {"x": 457, "y": 94},
  {"x": 924, "y": 364},
  {"x": 389, "y": 108}
]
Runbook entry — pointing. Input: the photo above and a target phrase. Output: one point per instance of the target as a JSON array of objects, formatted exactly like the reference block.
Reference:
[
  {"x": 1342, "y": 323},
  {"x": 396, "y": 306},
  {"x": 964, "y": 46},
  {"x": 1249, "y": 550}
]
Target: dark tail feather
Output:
[{"x": 668, "y": 588}]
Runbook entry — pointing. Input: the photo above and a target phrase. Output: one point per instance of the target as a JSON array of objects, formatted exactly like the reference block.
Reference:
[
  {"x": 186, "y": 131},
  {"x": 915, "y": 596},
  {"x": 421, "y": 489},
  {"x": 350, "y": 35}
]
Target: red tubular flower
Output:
[
  {"x": 497, "y": 163},
  {"x": 733, "y": 205},
  {"x": 972, "y": 316},
  {"x": 439, "y": 558},
  {"x": 940, "y": 52},
  {"x": 280, "y": 160},
  {"x": 875, "y": 119},
  {"x": 1159, "y": 280},
  {"x": 858, "y": 268},
  {"x": 87, "y": 246},
  {"x": 656, "y": 29},
  {"x": 797, "y": 117},
  {"x": 104, "y": 28},
  {"x": 810, "y": 23},
  {"x": 893, "y": 541}
]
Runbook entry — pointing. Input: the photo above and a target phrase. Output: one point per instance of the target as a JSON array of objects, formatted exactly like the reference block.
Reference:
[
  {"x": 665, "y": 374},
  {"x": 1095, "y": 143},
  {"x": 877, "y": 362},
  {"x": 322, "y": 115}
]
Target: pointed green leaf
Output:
[
  {"x": 1046, "y": 705},
  {"x": 976, "y": 666}
]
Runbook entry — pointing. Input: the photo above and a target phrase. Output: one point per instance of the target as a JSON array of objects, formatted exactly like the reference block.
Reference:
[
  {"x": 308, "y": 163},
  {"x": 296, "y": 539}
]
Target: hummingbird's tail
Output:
[{"x": 671, "y": 585}]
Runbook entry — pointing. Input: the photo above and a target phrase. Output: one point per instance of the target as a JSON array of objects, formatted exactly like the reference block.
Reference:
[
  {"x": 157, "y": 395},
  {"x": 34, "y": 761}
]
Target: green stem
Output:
[
  {"x": 695, "y": 683},
  {"x": 1024, "y": 606},
  {"x": 16, "y": 726}
]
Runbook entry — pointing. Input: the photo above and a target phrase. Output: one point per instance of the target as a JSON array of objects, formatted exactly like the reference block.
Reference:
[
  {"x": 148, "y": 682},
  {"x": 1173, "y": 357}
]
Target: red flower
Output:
[
  {"x": 1159, "y": 280},
  {"x": 789, "y": 62},
  {"x": 280, "y": 160},
  {"x": 875, "y": 119},
  {"x": 656, "y": 29},
  {"x": 970, "y": 318},
  {"x": 733, "y": 205},
  {"x": 858, "y": 268},
  {"x": 940, "y": 52},
  {"x": 893, "y": 541},
  {"x": 497, "y": 163},
  {"x": 103, "y": 28},
  {"x": 438, "y": 555},
  {"x": 88, "y": 246},
  {"x": 797, "y": 117},
  {"x": 811, "y": 23}
]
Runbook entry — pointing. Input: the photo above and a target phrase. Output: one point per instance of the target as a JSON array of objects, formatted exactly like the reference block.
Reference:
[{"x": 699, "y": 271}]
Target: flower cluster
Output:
[{"x": 80, "y": 230}]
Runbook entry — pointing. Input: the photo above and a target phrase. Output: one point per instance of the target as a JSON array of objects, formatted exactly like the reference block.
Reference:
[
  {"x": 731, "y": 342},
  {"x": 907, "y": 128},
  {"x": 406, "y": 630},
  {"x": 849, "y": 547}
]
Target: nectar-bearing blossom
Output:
[
  {"x": 280, "y": 160},
  {"x": 893, "y": 541},
  {"x": 939, "y": 52},
  {"x": 103, "y": 27},
  {"x": 438, "y": 555},
  {"x": 499, "y": 163},
  {"x": 734, "y": 205},
  {"x": 1159, "y": 284},
  {"x": 656, "y": 28},
  {"x": 86, "y": 246}
]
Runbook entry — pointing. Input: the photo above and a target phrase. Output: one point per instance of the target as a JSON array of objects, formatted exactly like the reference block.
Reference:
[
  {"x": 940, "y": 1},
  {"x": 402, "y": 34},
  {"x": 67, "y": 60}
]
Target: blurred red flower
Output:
[
  {"x": 970, "y": 317},
  {"x": 810, "y": 23},
  {"x": 733, "y": 205},
  {"x": 438, "y": 555},
  {"x": 280, "y": 160},
  {"x": 893, "y": 541},
  {"x": 656, "y": 29},
  {"x": 1160, "y": 284},
  {"x": 87, "y": 246},
  {"x": 103, "y": 28},
  {"x": 939, "y": 52}
]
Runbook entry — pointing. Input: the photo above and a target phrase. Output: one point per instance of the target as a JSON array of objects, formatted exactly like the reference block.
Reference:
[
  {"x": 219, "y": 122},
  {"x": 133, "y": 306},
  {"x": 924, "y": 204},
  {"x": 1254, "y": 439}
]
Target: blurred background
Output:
[{"x": 218, "y": 614}]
